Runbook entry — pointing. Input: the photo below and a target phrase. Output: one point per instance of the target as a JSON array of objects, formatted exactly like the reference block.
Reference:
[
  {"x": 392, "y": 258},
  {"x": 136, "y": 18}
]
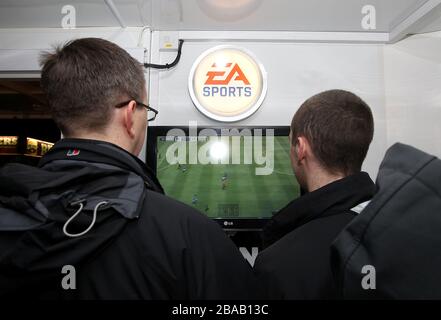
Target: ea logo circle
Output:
[{"x": 227, "y": 83}]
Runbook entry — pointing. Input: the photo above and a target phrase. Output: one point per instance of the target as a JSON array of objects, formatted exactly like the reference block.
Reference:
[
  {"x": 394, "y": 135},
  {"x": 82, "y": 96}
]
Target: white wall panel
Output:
[{"x": 413, "y": 92}]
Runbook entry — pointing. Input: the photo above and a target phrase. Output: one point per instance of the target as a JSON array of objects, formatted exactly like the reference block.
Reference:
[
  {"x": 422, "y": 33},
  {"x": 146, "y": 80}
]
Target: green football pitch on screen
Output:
[{"x": 229, "y": 190}]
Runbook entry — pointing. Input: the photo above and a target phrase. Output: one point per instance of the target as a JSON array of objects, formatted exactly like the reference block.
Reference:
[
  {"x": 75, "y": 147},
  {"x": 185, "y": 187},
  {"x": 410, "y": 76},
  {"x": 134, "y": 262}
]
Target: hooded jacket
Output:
[
  {"x": 296, "y": 262},
  {"x": 392, "y": 250},
  {"x": 93, "y": 208}
]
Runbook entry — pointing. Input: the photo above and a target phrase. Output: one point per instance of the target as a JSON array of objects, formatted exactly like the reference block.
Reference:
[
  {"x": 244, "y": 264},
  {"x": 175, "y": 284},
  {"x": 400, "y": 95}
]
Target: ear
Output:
[
  {"x": 301, "y": 148},
  {"x": 129, "y": 118}
]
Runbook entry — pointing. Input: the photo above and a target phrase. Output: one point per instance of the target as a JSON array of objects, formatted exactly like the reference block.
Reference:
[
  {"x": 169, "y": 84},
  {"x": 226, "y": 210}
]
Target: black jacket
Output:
[
  {"x": 296, "y": 265},
  {"x": 399, "y": 233},
  {"x": 142, "y": 245}
]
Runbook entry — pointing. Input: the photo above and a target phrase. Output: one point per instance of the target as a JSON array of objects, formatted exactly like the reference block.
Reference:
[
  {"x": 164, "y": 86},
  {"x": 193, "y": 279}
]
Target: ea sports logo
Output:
[
  {"x": 212, "y": 75},
  {"x": 226, "y": 83}
]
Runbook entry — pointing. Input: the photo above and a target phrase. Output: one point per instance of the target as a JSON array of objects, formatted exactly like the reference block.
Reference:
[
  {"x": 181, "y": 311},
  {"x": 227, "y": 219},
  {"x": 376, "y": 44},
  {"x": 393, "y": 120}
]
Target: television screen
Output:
[{"x": 229, "y": 177}]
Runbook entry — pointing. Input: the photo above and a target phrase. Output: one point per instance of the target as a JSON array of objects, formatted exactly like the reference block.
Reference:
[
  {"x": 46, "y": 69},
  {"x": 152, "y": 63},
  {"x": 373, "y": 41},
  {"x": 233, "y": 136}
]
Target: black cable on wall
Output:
[{"x": 167, "y": 65}]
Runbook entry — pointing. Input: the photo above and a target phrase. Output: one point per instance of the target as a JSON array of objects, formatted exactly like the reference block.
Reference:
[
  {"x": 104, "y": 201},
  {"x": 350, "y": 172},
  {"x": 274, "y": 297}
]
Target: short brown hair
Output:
[
  {"x": 85, "y": 78},
  {"x": 339, "y": 126}
]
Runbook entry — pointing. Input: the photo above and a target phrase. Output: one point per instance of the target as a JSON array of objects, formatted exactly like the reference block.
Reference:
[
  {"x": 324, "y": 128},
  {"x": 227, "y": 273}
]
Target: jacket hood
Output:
[
  {"x": 398, "y": 233},
  {"x": 76, "y": 202}
]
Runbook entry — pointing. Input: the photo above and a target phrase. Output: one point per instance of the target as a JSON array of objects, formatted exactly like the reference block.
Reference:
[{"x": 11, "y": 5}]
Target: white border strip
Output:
[
  {"x": 27, "y": 60},
  {"x": 268, "y": 36}
]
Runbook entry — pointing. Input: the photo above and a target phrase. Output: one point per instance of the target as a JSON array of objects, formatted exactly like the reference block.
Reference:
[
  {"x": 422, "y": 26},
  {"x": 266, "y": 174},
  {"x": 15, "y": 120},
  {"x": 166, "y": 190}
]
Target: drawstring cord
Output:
[{"x": 74, "y": 235}]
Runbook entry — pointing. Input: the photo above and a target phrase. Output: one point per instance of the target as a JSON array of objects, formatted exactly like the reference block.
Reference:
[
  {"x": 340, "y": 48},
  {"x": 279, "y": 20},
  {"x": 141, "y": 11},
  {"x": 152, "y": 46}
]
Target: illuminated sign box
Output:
[
  {"x": 37, "y": 148},
  {"x": 8, "y": 145},
  {"x": 227, "y": 83},
  {"x": 14, "y": 145}
]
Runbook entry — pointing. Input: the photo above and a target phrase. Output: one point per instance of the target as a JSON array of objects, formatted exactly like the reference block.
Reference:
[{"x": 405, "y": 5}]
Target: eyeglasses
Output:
[{"x": 151, "y": 113}]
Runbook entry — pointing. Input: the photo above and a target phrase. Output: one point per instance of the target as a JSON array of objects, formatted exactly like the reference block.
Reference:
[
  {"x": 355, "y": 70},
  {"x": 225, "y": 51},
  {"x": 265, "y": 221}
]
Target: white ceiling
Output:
[{"x": 273, "y": 15}]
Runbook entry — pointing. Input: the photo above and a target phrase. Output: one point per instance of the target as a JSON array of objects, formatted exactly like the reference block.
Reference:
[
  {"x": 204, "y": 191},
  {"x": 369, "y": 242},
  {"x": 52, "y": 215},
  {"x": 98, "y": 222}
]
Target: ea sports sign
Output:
[{"x": 227, "y": 83}]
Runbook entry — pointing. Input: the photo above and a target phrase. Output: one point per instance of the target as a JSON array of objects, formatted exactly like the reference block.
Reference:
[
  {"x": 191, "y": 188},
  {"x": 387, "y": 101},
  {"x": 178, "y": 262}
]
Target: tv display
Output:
[{"x": 237, "y": 176}]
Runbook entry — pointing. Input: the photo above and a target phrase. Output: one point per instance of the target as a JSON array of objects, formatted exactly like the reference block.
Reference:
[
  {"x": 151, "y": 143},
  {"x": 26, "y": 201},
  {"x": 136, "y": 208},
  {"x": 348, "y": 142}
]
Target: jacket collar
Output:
[
  {"x": 101, "y": 152},
  {"x": 334, "y": 198}
]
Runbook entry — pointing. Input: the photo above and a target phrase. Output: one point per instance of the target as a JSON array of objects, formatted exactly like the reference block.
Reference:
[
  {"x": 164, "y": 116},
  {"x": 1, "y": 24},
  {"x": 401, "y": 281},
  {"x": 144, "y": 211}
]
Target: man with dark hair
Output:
[
  {"x": 92, "y": 221},
  {"x": 330, "y": 136}
]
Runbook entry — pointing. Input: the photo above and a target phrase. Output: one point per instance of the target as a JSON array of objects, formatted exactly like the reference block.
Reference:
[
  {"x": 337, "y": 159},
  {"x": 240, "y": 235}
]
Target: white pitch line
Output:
[{"x": 284, "y": 173}]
